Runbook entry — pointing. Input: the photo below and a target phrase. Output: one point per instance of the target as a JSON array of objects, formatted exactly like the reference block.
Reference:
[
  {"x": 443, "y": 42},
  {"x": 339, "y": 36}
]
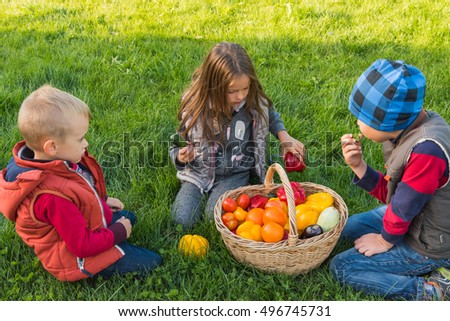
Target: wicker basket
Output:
[{"x": 292, "y": 256}]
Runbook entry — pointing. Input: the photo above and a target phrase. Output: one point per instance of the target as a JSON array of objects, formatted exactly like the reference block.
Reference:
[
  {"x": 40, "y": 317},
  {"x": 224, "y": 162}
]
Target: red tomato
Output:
[
  {"x": 229, "y": 205},
  {"x": 243, "y": 201},
  {"x": 229, "y": 220}
]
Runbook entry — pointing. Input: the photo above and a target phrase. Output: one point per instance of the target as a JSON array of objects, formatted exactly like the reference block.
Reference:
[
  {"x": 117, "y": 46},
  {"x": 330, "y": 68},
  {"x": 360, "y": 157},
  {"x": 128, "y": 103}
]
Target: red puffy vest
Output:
[{"x": 56, "y": 177}]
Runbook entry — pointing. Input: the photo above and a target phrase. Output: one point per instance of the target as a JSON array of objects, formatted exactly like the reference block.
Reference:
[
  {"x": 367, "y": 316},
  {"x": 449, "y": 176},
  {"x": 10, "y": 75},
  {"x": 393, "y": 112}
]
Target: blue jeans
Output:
[
  {"x": 136, "y": 259},
  {"x": 188, "y": 205},
  {"x": 395, "y": 274}
]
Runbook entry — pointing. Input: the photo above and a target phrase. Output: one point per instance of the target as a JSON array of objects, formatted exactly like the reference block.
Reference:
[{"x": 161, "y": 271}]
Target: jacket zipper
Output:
[
  {"x": 80, "y": 261},
  {"x": 95, "y": 192}
]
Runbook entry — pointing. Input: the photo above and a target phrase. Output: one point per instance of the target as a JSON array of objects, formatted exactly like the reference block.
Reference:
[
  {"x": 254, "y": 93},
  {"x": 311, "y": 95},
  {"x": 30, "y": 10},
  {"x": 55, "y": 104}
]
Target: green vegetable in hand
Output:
[{"x": 176, "y": 140}]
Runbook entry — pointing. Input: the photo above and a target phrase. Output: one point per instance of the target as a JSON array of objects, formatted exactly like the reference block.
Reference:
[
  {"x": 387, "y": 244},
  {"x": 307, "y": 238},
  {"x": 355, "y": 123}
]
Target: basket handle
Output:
[{"x": 268, "y": 183}]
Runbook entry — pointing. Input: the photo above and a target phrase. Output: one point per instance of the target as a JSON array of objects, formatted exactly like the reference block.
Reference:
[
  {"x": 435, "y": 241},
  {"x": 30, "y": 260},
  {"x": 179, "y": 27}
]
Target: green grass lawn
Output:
[{"x": 131, "y": 60}]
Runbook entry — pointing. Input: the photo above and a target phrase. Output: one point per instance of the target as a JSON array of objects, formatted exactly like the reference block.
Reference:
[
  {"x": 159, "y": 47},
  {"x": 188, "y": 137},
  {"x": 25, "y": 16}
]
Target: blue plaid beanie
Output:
[{"x": 388, "y": 96}]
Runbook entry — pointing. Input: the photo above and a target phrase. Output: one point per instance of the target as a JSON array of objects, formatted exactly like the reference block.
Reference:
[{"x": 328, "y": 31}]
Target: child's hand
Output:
[
  {"x": 114, "y": 204},
  {"x": 126, "y": 223},
  {"x": 290, "y": 144},
  {"x": 186, "y": 154},
  {"x": 352, "y": 151},
  {"x": 372, "y": 243}
]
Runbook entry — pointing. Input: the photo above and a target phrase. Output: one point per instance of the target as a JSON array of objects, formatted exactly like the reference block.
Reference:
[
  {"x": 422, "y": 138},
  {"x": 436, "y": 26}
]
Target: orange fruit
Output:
[
  {"x": 272, "y": 232},
  {"x": 275, "y": 214},
  {"x": 255, "y": 215}
]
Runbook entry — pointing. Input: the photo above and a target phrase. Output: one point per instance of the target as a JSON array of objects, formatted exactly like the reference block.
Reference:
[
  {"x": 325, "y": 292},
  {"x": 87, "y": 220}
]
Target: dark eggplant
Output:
[{"x": 311, "y": 230}]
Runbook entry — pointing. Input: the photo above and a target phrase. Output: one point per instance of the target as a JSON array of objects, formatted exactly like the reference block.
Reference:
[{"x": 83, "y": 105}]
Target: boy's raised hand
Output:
[
  {"x": 352, "y": 151},
  {"x": 126, "y": 223}
]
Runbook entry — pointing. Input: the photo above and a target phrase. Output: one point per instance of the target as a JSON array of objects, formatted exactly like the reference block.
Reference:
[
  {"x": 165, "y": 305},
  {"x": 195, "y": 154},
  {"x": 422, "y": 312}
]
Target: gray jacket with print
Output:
[{"x": 201, "y": 171}]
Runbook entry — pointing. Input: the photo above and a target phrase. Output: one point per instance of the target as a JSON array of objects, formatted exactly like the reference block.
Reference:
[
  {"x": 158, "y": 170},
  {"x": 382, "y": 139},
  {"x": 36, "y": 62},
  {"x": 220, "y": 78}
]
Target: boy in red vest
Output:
[
  {"x": 54, "y": 191},
  {"x": 398, "y": 244}
]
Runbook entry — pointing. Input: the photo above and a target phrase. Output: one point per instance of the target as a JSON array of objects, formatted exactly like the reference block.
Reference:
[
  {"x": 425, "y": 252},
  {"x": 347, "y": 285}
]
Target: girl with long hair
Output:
[{"x": 225, "y": 118}]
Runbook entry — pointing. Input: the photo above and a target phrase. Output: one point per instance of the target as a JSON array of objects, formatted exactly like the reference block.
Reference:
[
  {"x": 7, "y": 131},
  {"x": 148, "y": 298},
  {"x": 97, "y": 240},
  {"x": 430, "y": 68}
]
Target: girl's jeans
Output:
[
  {"x": 395, "y": 274},
  {"x": 136, "y": 259},
  {"x": 188, "y": 205}
]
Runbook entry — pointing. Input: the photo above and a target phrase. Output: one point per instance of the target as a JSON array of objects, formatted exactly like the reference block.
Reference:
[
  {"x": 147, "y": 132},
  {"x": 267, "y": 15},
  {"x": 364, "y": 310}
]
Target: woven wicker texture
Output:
[{"x": 292, "y": 256}]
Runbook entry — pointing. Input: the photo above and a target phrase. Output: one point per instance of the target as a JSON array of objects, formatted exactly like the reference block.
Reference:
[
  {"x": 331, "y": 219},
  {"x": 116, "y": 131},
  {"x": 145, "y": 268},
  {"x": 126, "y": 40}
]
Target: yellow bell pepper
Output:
[
  {"x": 305, "y": 215},
  {"x": 240, "y": 214},
  {"x": 320, "y": 201},
  {"x": 249, "y": 230},
  {"x": 193, "y": 245}
]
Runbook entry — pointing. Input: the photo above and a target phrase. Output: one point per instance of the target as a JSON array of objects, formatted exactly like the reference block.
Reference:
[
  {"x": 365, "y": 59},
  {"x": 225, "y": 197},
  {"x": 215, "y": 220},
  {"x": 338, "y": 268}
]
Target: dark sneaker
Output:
[{"x": 441, "y": 278}]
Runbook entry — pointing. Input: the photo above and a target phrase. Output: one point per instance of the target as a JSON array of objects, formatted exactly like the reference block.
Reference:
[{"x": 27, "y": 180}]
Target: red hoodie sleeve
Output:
[{"x": 71, "y": 226}]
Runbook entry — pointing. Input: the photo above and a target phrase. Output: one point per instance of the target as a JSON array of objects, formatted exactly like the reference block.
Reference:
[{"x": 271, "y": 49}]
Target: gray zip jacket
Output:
[
  {"x": 201, "y": 171},
  {"x": 429, "y": 232}
]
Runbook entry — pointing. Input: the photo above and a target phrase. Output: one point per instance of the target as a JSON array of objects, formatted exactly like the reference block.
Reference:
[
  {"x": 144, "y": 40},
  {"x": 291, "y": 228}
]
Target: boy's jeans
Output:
[
  {"x": 395, "y": 274},
  {"x": 136, "y": 259}
]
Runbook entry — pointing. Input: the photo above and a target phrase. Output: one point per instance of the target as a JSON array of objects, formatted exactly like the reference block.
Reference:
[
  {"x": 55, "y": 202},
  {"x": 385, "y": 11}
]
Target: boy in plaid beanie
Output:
[{"x": 398, "y": 243}]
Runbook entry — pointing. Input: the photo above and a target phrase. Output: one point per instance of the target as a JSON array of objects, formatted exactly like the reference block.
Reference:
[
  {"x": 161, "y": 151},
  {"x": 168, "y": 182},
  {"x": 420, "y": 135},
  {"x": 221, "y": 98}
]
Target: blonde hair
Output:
[
  {"x": 205, "y": 100},
  {"x": 45, "y": 114}
]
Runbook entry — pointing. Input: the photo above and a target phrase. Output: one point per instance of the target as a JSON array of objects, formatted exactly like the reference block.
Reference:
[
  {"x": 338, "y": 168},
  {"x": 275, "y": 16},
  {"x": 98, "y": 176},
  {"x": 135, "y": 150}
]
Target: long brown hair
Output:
[{"x": 206, "y": 101}]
